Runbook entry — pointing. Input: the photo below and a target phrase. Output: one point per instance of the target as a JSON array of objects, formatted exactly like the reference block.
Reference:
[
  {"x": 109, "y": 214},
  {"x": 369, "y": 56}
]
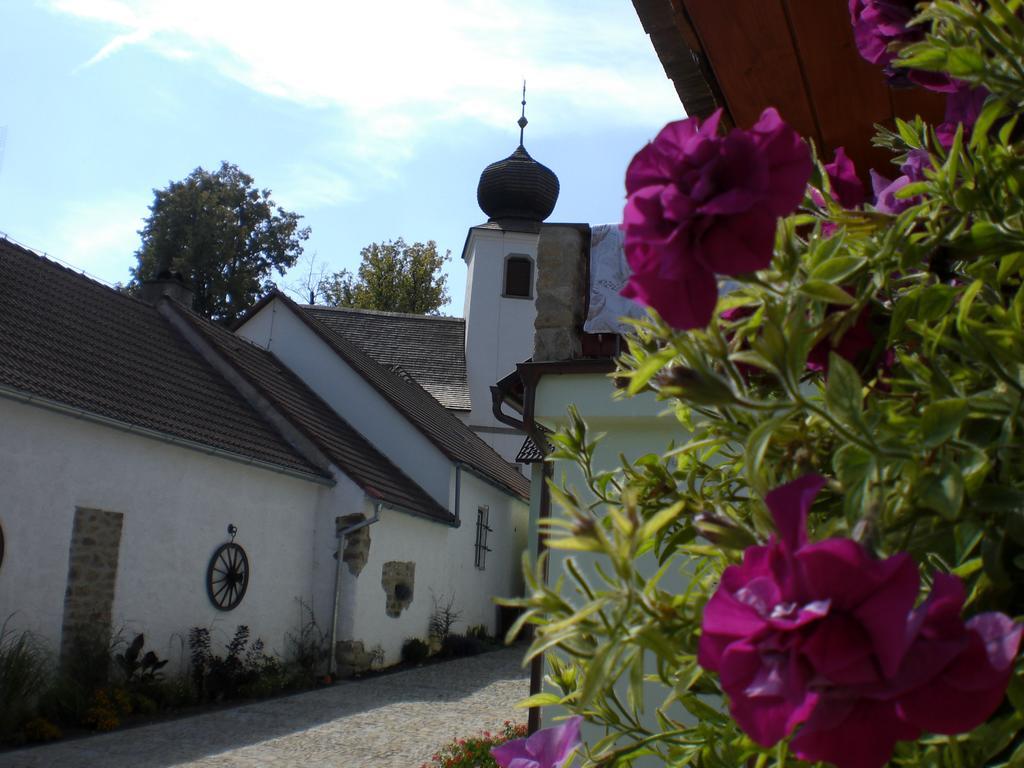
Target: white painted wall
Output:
[
  {"x": 633, "y": 427},
  {"x": 275, "y": 327},
  {"x": 444, "y": 558},
  {"x": 177, "y": 504},
  {"x": 499, "y": 330}
]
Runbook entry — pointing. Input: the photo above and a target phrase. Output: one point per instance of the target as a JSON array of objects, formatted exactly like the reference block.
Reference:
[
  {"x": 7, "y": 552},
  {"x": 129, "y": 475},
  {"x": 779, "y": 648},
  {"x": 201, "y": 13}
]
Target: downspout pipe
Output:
[{"x": 342, "y": 534}]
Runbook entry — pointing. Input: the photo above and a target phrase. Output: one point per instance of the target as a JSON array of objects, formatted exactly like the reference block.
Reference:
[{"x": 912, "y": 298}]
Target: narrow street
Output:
[{"x": 390, "y": 721}]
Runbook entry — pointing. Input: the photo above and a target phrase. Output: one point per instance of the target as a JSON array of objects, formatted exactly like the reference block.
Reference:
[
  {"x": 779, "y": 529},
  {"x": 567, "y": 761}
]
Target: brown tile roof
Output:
[
  {"x": 349, "y": 450},
  {"x": 69, "y": 340},
  {"x": 451, "y": 436},
  {"x": 432, "y": 350}
]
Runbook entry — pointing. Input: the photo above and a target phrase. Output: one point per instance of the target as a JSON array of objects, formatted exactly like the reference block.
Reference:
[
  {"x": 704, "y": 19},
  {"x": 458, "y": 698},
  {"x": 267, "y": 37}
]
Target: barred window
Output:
[{"x": 482, "y": 530}]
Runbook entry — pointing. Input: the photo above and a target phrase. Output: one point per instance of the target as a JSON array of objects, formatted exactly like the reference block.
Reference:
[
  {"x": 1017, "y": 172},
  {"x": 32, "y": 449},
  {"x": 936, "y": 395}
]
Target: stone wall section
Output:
[
  {"x": 561, "y": 276},
  {"x": 92, "y": 574},
  {"x": 398, "y": 579},
  {"x": 357, "y": 544}
]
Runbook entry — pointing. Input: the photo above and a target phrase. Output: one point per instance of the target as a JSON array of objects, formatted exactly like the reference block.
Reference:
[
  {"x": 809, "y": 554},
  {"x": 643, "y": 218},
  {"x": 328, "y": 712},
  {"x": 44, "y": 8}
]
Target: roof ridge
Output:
[
  {"x": 209, "y": 329},
  {"x": 381, "y": 312},
  {"x": 51, "y": 263},
  {"x": 465, "y": 435}
]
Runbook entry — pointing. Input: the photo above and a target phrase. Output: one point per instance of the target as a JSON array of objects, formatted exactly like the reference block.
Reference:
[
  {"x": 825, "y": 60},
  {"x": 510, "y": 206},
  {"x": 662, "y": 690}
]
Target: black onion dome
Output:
[{"x": 517, "y": 187}]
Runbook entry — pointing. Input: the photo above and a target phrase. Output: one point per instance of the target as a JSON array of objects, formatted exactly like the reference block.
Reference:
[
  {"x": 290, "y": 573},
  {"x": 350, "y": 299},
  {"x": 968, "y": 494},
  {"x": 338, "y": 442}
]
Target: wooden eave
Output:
[{"x": 796, "y": 55}]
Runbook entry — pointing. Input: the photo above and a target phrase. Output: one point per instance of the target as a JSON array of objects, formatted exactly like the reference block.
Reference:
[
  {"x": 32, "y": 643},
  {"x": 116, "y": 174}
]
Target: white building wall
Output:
[
  {"x": 632, "y": 427},
  {"x": 176, "y": 503},
  {"x": 275, "y": 327},
  {"x": 444, "y": 558},
  {"x": 499, "y": 330}
]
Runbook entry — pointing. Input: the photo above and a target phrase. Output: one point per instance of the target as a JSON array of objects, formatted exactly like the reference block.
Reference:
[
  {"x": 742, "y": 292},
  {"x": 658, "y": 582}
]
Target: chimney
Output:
[
  {"x": 561, "y": 287},
  {"x": 170, "y": 284}
]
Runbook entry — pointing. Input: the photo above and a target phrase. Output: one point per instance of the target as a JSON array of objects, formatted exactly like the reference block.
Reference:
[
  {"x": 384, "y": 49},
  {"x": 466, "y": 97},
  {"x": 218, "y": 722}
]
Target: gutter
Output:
[
  {"x": 163, "y": 437},
  {"x": 341, "y": 535}
]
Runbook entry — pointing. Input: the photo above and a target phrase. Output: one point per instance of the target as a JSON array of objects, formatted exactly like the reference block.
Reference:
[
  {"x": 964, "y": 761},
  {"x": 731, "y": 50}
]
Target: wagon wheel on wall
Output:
[{"x": 227, "y": 576}]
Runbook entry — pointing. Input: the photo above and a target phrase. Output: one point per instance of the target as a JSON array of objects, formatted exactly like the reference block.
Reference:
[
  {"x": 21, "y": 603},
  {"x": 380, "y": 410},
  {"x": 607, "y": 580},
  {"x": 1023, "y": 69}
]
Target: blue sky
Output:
[{"x": 372, "y": 120}]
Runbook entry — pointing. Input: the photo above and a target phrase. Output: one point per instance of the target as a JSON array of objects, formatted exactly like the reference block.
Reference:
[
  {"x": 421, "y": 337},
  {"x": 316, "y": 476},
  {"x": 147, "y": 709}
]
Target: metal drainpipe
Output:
[
  {"x": 458, "y": 493},
  {"x": 341, "y": 535}
]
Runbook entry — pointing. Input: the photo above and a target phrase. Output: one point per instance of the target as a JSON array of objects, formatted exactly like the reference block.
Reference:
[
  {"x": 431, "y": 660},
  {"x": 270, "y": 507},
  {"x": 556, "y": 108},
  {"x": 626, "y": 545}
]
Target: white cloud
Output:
[
  {"x": 396, "y": 69},
  {"x": 313, "y": 187},
  {"x": 99, "y": 237}
]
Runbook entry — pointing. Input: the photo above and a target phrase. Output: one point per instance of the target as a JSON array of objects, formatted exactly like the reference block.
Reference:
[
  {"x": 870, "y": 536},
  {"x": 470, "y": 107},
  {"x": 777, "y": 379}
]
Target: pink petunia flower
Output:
[
  {"x": 547, "y": 748},
  {"x": 825, "y": 638},
  {"x": 700, "y": 205},
  {"x": 880, "y": 28},
  {"x": 963, "y": 107}
]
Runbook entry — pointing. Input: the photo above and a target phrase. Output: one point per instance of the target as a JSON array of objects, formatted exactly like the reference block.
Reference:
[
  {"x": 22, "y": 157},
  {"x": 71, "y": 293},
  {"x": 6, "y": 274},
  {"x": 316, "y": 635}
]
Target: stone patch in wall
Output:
[
  {"x": 357, "y": 543},
  {"x": 351, "y": 657},
  {"x": 397, "y": 578},
  {"x": 92, "y": 574}
]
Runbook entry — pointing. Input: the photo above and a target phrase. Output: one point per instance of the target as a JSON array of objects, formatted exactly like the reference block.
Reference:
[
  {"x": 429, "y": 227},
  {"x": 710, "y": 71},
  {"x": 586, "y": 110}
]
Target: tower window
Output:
[
  {"x": 519, "y": 277},
  {"x": 482, "y": 529}
]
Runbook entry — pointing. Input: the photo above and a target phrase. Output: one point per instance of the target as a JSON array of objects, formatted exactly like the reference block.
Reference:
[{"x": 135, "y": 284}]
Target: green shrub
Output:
[
  {"x": 461, "y": 645},
  {"x": 415, "y": 651},
  {"x": 39, "y": 730}
]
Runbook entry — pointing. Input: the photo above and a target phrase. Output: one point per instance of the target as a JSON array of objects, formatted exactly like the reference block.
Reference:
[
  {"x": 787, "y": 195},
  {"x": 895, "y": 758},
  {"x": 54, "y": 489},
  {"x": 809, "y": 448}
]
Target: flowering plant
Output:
[
  {"x": 855, "y": 417},
  {"x": 475, "y": 751}
]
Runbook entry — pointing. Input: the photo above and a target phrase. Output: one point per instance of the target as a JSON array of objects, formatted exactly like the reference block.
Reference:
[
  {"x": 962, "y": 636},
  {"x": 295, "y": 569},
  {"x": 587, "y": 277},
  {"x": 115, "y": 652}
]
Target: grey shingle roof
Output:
[
  {"x": 72, "y": 341},
  {"x": 432, "y": 350},
  {"x": 440, "y": 426},
  {"x": 349, "y": 450}
]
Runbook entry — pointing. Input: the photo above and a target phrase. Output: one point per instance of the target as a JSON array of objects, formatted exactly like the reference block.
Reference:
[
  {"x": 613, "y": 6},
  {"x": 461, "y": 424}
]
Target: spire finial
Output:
[{"x": 522, "y": 118}]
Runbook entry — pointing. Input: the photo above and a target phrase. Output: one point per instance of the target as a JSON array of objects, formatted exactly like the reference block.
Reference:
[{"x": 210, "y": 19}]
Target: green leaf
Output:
[
  {"x": 963, "y": 61},
  {"x": 837, "y": 269},
  {"x": 941, "y": 420},
  {"x": 757, "y": 445},
  {"x": 852, "y": 465},
  {"x": 923, "y": 57},
  {"x": 659, "y": 520},
  {"x": 539, "y": 700},
  {"x": 833, "y": 294},
  {"x": 843, "y": 390},
  {"x": 942, "y": 490},
  {"x": 964, "y": 310}
]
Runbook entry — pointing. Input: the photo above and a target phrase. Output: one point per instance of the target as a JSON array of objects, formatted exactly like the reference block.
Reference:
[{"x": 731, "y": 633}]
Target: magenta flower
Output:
[
  {"x": 826, "y": 638},
  {"x": 547, "y": 748},
  {"x": 963, "y": 106},
  {"x": 700, "y": 205},
  {"x": 855, "y": 345},
  {"x": 847, "y": 188},
  {"x": 880, "y": 28},
  {"x": 913, "y": 169}
]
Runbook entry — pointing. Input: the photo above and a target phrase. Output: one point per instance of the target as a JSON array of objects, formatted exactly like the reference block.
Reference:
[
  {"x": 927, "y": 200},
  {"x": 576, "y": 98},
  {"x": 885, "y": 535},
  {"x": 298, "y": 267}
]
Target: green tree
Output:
[
  {"x": 223, "y": 235},
  {"x": 393, "y": 276}
]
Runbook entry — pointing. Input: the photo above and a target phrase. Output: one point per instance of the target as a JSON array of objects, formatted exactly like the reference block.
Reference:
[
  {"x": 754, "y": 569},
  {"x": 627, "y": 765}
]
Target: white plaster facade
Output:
[
  {"x": 499, "y": 328},
  {"x": 444, "y": 555},
  {"x": 276, "y": 328},
  {"x": 445, "y": 568},
  {"x": 177, "y": 504}
]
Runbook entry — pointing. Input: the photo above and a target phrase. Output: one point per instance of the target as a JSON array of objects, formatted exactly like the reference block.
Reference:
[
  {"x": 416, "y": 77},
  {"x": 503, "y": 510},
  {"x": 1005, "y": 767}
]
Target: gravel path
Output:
[{"x": 391, "y": 721}]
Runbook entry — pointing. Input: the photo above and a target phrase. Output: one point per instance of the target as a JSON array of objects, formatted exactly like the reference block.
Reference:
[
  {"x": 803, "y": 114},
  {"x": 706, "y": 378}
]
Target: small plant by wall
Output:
[
  {"x": 309, "y": 648},
  {"x": 24, "y": 672},
  {"x": 443, "y": 618},
  {"x": 245, "y": 670},
  {"x": 415, "y": 651}
]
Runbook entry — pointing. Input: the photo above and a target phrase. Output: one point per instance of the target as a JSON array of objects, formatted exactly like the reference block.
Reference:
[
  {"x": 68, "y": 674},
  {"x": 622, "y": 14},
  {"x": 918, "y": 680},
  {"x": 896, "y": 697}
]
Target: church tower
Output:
[{"x": 516, "y": 194}]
